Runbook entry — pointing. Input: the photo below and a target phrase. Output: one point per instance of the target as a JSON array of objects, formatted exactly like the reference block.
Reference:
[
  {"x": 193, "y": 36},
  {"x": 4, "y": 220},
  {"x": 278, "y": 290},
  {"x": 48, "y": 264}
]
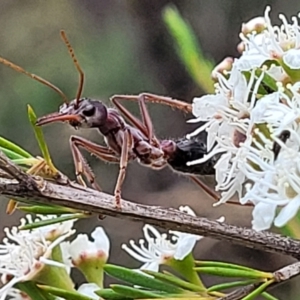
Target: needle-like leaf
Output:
[
  {"x": 40, "y": 138},
  {"x": 4, "y": 143}
]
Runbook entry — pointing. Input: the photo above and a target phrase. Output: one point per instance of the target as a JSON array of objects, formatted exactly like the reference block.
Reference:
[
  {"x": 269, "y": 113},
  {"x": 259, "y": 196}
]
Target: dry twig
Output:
[{"x": 31, "y": 188}]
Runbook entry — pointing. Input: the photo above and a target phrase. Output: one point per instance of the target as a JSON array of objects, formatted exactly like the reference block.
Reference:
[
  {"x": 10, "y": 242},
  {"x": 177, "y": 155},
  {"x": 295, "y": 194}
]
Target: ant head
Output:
[
  {"x": 92, "y": 113},
  {"x": 80, "y": 112},
  {"x": 85, "y": 113}
]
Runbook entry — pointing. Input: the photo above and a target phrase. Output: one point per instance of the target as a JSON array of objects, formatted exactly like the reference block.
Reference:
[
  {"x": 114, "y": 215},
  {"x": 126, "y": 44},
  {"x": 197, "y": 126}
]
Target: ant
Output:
[{"x": 124, "y": 142}]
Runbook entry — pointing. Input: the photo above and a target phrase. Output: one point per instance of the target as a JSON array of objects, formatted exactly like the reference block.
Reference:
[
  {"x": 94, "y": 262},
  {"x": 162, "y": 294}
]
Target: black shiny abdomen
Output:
[{"x": 189, "y": 150}]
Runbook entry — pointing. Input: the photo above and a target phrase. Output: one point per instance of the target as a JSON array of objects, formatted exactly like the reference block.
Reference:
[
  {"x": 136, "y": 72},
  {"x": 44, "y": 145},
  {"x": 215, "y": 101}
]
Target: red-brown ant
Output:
[{"x": 124, "y": 142}]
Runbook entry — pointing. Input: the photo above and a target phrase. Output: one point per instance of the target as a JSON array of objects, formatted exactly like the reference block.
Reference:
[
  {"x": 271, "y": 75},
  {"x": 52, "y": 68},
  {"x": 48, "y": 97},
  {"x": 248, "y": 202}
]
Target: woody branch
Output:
[{"x": 26, "y": 188}]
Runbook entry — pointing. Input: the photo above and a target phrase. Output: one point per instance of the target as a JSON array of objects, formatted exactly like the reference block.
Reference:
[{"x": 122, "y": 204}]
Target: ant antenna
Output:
[
  {"x": 81, "y": 74},
  {"x": 33, "y": 76}
]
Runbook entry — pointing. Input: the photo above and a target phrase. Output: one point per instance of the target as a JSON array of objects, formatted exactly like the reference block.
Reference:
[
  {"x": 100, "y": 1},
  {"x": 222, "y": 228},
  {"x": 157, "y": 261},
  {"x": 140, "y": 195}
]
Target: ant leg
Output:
[
  {"x": 146, "y": 119},
  {"x": 146, "y": 126},
  {"x": 81, "y": 166},
  {"x": 205, "y": 188},
  {"x": 212, "y": 193},
  {"x": 127, "y": 114},
  {"x": 127, "y": 144},
  {"x": 178, "y": 104},
  {"x": 102, "y": 152}
]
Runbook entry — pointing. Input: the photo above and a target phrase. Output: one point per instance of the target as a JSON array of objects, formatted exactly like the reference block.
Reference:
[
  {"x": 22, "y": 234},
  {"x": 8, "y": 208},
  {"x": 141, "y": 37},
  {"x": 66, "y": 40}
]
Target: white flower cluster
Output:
[
  {"x": 253, "y": 121},
  {"x": 161, "y": 248},
  {"x": 24, "y": 253},
  {"x": 29, "y": 255},
  {"x": 157, "y": 249}
]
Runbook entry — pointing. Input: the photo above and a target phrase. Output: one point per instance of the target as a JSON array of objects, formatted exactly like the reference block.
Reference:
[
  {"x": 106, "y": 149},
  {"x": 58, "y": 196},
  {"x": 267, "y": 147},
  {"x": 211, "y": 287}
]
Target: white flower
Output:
[
  {"x": 49, "y": 232},
  {"x": 23, "y": 256},
  {"x": 228, "y": 103},
  {"x": 257, "y": 24},
  {"x": 277, "y": 43},
  {"x": 15, "y": 294},
  {"x": 82, "y": 248},
  {"x": 185, "y": 241},
  {"x": 157, "y": 249},
  {"x": 88, "y": 289},
  {"x": 276, "y": 185},
  {"x": 89, "y": 256},
  {"x": 65, "y": 255},
  {"x": 228, "y": 114}
]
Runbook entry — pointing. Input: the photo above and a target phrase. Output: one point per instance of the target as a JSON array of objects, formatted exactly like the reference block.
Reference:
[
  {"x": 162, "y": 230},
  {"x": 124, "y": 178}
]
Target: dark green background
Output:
[{"x": 124, "y": 48}]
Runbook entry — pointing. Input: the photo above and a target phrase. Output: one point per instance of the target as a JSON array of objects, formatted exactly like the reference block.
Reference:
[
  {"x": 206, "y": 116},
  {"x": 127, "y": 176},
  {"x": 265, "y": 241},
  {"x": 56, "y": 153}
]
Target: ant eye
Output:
[{"x": 89, "y": 111}]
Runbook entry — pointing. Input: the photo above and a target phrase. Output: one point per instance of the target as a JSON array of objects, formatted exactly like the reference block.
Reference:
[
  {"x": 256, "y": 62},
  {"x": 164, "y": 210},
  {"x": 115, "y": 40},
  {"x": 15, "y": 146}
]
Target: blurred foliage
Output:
[
  {"x": 189, "y": 50},
  {"x": 123, "y": 47}
]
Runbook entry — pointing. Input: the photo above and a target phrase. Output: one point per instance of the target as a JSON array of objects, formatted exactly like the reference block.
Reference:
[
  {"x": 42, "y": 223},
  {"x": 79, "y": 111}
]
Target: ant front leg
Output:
[{"x": 81, "y": 166}]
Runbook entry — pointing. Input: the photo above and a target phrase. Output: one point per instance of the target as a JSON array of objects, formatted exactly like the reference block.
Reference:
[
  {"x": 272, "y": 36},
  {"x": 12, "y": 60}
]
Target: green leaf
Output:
[
  {"x": 269, "y": 81},
  {"x": 29, "y": 162},
  {"x": 294, "y": 74},
  {"x": 208, "y": 263},
  {"x": 229, "y": 272},
  {"x": 229, "y": 285},
  {"x": 253, "y": 295},
  {"x": 47, "y": 209},
  {"x": 40, "y": 138},
  {"x": 267, "y": 85},
  {"x": 185, "y": 268},
  {"x": 53, "y": 221},
  {"x": 11, "y": 154},
  {"x": 30, "y": 288},
  {"x": 175, "y": 281},
  {"x": 268, "y": 296},
  {"x": 136, "y": 278},
  {"x": 4, "y": 143},
  {"x": 135, "y": 293},
  {"x": 109, "y": 294},
  {"x": 188, "y": 49},
  {"x": 65, "y": 294}
]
